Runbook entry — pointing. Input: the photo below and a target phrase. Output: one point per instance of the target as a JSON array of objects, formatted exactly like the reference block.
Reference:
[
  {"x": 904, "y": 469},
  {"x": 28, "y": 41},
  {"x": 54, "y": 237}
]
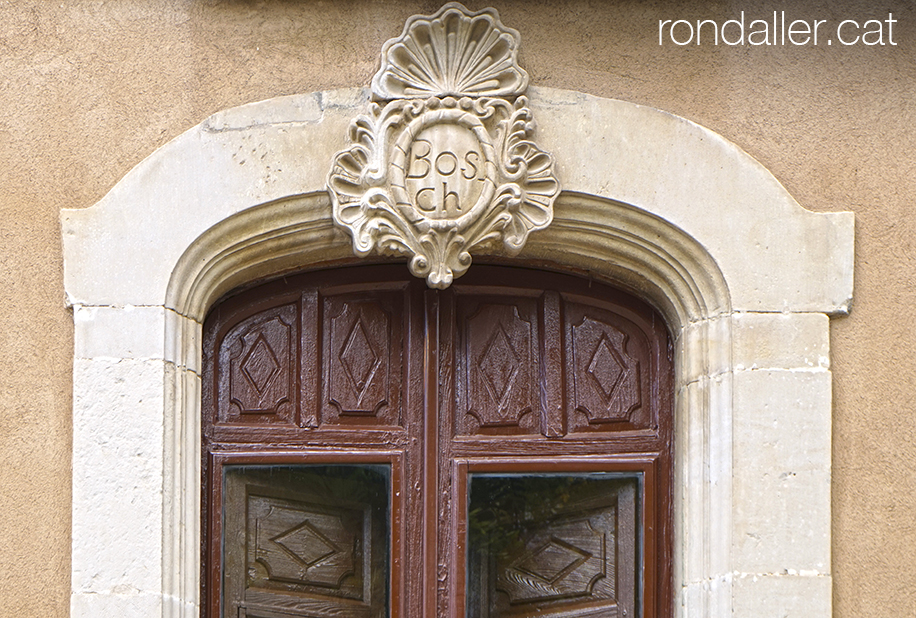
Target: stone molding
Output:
[{"x": 745, "y": 277}]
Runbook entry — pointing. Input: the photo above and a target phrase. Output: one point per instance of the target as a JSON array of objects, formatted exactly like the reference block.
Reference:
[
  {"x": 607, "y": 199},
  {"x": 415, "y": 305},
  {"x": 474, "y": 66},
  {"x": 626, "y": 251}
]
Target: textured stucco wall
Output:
[{"x": 90, "y": 88}]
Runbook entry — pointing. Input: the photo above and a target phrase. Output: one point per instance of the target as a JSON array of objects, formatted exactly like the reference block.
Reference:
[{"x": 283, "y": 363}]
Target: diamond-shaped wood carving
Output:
[
  {"x": 606, "y": 368},
  {"x": 606, "y": 377},
  {"x": 257, "y": 361},
  {"x": 563, "y": 560},
  {"x": 304, "y": 544},
  {"x": 499, "y": 366},
  {"x": 552, "y": 561},
  {"x": 361, "y": 358},
  {"x": 260, "y": 365}
]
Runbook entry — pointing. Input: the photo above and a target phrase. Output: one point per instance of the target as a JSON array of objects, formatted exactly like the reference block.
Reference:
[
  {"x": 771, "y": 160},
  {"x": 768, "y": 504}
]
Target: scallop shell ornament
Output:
[
  {"x": 444, "y": 163},
  {"x": 454, "y": 52}
]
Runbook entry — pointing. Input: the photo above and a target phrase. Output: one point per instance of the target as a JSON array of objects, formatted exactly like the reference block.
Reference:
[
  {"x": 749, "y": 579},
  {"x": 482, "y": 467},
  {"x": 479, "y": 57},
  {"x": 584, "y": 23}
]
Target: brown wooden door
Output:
[{"x": 374, "y": 448}]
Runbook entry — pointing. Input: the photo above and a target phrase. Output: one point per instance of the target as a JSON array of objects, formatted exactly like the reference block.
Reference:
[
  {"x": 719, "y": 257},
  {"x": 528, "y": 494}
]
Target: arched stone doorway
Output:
[{"x": 744, "y": 276}]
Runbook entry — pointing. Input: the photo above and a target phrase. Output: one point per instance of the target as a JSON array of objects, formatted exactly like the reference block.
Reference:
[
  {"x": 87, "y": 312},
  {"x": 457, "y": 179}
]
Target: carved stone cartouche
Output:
[{"x": 443, "y": 163}]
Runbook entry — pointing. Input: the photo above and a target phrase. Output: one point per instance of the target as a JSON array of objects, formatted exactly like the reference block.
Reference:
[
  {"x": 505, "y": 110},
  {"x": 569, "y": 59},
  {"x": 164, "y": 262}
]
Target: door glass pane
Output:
[
  {"x": 306, "y": 540},
  {"x": 553, "y": 545}
]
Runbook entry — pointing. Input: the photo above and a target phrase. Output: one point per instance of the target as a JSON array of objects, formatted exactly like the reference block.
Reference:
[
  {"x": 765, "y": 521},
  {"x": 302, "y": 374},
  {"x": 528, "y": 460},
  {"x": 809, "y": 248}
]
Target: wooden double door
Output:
[{"x": 374, "y": 448}]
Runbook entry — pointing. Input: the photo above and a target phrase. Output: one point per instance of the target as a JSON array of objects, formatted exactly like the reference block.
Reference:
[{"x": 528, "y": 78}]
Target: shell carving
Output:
[
  {"x": 453, "y": 52},
  {"x": 444, "y": 163}
]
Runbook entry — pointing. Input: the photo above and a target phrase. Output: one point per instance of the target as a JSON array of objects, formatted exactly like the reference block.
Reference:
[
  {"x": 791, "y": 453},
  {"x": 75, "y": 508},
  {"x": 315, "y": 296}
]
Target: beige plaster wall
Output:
[{"x": 88, "y": 89}]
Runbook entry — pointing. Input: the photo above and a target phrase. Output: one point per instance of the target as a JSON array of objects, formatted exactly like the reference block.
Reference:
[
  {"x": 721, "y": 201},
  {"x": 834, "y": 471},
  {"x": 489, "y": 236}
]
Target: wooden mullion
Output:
[
  {"x": 451, "y": 517},
  {"x": 551, "y": 371}
]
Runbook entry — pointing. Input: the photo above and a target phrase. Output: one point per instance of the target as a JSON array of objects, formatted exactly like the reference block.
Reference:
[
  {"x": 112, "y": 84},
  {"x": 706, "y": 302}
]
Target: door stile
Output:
[
  {"x": 430, "y": 501},
  {"x": 407, "y": 593},
  {"x": 459, "y": 532},
  {"x": 450, "y": 542}
]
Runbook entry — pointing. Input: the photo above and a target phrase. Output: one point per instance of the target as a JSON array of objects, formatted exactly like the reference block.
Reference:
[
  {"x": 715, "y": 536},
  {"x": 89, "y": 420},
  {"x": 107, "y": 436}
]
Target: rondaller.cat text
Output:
[{"x": 777, "y": 30}]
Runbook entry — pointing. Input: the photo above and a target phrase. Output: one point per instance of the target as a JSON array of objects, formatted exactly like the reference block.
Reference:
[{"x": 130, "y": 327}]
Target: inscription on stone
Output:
[{"x": 445, "y": 182}]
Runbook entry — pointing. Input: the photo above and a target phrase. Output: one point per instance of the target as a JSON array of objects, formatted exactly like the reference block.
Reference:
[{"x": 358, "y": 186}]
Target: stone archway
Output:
[{"x": 745, "y": 277}]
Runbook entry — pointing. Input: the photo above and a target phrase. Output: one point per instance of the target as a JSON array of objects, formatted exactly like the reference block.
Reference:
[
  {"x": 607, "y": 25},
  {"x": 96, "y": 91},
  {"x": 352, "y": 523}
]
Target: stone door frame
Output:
[{"x": 745, "y": 277}]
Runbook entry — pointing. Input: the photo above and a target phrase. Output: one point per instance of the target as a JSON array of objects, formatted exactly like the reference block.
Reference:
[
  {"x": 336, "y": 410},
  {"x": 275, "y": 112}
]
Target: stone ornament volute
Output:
[{"x": 443, "y": 163}]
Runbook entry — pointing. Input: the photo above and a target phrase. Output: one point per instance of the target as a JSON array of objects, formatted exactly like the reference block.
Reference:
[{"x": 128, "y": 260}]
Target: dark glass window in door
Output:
[
  {"x": 541, "y": 544},
  {"x": 374, "y": 448},
  {"x": 308, "y": 538}
]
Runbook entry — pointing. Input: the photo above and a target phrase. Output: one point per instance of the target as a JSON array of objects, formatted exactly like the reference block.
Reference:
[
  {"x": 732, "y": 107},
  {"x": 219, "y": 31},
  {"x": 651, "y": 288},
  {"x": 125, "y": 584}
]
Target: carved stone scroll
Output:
[{"x": 443, "y": 163}]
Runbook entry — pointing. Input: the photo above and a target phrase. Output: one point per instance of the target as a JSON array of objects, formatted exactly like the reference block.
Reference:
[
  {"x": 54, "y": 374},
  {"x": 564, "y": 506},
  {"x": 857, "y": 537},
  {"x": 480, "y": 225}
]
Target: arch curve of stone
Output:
[
  {"x": 627, "y": 246},
  {"x": 745, "y": 277}
]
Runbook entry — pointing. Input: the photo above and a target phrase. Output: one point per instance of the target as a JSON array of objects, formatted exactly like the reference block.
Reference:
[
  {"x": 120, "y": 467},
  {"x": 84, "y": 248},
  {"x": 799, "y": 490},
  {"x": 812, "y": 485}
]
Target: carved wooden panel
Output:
[
  {"x": 497, "y": 365},
  {"x": 316, "y": 610},
  {"x": 362, "y": 356},
  {"x": 305, "y": 545},
  {"x": 565, "y": 559},
  {"x": 608, "y": 358},
  {"x": 264, "y": 612},
  {"x": 258, "y": 368}
]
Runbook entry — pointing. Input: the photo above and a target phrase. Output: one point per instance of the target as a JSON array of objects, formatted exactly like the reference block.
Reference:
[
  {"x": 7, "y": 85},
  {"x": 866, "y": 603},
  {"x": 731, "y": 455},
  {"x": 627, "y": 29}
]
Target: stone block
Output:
[
  {"x": 183, "y": 345},
  {"x": 781, "y": 341},
  {"x": 782, "y": 596},
  {"x": 703, "y": 349},
  {"x": 119, "y": 332},
  {"x": 781, "y": 519},
  {"x": 117, "y": 474},
  {"x": 123, "y": 603}
]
